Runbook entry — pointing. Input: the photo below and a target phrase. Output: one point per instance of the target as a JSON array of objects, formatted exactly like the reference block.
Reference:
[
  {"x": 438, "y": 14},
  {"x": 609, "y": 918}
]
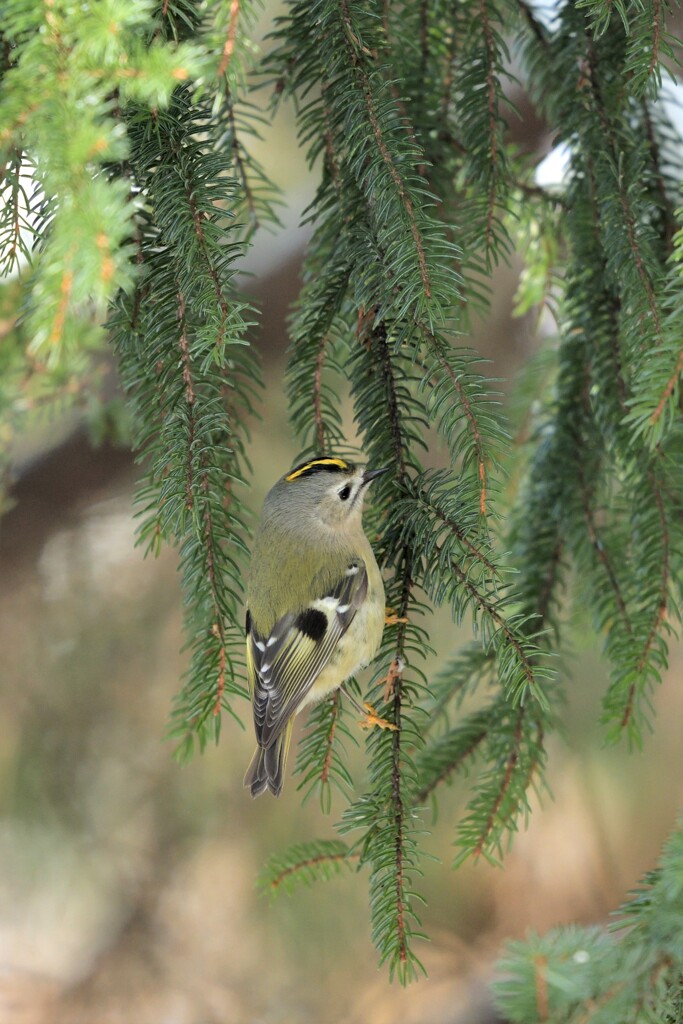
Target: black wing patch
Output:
[
  {"x": 286, "y": 663},
  {"x": 313, "y": 623},
  {"x": 247, "y": 623}
]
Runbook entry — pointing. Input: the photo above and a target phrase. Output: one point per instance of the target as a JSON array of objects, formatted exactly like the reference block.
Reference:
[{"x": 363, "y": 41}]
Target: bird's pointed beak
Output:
[{"x": 370, "y": 474}]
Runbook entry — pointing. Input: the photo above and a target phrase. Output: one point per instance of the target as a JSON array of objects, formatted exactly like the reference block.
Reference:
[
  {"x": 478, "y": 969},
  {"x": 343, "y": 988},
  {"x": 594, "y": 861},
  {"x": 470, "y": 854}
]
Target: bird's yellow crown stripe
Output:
[{"x": 308, "y": 466}]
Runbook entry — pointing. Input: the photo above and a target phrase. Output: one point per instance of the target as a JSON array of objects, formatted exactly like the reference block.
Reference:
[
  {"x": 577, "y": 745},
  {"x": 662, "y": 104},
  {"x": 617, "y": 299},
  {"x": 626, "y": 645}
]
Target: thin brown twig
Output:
[
  {"x": 309, "y": 862},
  {"x": 456, "y": 530},
  {"x": 668, "y": 390},
  {"x": 327, "y": 760},
  {"x": 541, "y": 986},
  {"x": 657, "y": 28},
  {"x": 229, "y": 44},
  {"x": 510, "y": 765}
]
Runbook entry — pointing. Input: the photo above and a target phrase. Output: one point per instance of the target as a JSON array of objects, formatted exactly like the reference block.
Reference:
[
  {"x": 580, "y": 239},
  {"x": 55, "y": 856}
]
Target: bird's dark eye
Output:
[{"x": 344, "y": 493}]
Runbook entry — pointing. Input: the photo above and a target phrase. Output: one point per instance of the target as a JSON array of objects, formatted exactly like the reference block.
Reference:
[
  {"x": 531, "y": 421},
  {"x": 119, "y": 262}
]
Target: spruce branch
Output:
[
  {"x": 305, "y": 864},
  {"x": 587, "y": 975}
]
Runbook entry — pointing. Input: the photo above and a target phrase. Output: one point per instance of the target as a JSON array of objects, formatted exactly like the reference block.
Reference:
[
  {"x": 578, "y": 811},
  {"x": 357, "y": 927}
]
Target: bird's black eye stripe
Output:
[{"x": 345, "y": 492}]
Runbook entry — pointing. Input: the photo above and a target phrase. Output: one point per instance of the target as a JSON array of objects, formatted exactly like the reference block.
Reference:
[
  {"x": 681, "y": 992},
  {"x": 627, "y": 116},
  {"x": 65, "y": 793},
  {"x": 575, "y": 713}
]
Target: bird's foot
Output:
[
  {"x": 391, "y": 618},
  {"x": 372, "y": 719}
]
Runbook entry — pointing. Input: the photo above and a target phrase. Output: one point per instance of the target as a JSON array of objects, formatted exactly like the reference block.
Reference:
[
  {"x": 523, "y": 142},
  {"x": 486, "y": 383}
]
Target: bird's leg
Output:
[
  {"x": 370, "y": 717},
  {"x": 391, "y": 618}
]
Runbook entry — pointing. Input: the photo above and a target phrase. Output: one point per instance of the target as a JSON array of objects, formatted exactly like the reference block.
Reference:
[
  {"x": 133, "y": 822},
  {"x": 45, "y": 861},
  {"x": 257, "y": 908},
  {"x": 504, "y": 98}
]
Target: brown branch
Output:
[
  {"x": 327, "y": 760},
  {"x": 462, "y": 537},
  {"x": 510, "y": 765},
  {"x": 596, "y": 1004},
  {"x": 429, "y": 335},
  {"x": 309, "y": 862},
  {"x": 220, "y": 685},
  {"x": 15, "y": 223},
  {"x": 657, "y": 28},
  {"x": 230, "y": 39},
  {"x": 541, "y": 986},
  {"x": 668, "y": 390}
]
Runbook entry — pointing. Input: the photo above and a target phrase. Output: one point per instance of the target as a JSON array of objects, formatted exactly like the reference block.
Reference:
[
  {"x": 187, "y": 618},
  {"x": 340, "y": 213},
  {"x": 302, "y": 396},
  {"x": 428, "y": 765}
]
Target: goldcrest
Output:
[{"x": 315, "y": 602}]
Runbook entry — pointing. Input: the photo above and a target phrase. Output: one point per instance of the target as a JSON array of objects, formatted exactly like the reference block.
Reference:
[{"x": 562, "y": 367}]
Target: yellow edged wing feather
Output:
[{"x": 283, "y": 666}]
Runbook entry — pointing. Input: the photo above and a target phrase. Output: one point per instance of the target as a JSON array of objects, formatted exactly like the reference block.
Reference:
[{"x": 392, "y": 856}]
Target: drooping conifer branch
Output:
[{"x": 419, "y": 196}]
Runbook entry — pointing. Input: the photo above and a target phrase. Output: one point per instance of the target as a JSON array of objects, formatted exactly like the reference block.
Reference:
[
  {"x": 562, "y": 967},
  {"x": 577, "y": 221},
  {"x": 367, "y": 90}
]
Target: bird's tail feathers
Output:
[{"x": 267, "y": 767}]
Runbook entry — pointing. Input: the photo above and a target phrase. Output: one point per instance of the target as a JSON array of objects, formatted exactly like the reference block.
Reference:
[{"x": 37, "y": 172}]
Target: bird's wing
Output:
[{"x": 283, "y": 666}]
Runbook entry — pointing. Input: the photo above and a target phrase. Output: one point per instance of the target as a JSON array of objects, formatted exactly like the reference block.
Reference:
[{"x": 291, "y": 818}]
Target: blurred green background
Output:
[{"x": 127, "y": 883}]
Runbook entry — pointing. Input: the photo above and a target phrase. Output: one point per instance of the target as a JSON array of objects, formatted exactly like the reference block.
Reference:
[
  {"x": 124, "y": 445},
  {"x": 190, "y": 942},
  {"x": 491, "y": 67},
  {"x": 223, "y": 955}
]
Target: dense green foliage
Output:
[{"x": 136, "y": 136}]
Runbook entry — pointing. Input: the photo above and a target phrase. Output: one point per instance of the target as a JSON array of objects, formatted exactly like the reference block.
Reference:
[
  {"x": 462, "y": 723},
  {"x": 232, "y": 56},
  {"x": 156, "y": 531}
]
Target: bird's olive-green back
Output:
[{"x": 292, "y": 567}]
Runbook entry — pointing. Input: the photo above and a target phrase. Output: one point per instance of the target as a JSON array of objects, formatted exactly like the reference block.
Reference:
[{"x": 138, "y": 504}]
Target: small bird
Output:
[{"x": 315, "y": 602}]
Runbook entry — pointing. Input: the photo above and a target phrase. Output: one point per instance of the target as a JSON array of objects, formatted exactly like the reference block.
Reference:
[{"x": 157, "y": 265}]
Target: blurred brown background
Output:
[{"x": 127, "y": 883}]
